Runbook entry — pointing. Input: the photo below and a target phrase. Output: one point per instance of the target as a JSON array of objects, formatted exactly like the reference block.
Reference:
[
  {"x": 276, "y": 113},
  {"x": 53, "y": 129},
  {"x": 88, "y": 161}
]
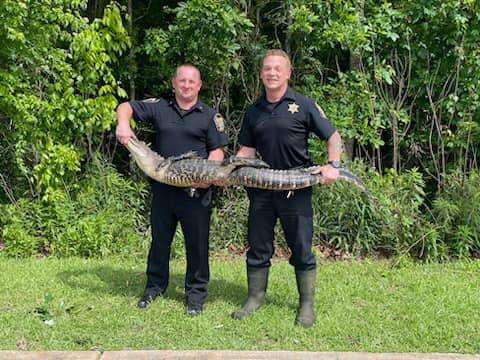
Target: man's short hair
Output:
[
  {"x": 275, "y": 52},
  {"x": 186, "y": 65}
]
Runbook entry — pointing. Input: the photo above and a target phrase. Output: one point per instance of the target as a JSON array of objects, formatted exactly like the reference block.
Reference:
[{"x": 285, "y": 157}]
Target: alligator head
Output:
[{"x": 150, "y": 162}]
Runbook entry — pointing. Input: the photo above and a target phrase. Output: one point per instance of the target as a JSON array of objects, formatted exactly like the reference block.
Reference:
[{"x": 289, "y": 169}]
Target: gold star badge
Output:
[{"x": 293, "y": 108}]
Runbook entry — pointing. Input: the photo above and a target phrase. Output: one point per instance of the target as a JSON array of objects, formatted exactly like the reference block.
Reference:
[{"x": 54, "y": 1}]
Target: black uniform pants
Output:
[
  {"x": 296, "y": 217},
  {"x": 171, "y": 205}
]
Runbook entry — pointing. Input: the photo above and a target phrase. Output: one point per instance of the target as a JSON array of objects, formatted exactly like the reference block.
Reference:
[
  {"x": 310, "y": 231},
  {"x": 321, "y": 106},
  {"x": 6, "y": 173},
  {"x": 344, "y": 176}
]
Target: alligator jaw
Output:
[{"x": 150, "y": 162}]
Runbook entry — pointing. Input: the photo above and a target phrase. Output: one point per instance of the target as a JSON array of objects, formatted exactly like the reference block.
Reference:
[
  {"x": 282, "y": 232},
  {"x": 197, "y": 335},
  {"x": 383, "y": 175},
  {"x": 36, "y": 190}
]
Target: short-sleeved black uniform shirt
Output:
[
  {"x": 279, "y": 131},
  {"x": 179, "y": 131}
]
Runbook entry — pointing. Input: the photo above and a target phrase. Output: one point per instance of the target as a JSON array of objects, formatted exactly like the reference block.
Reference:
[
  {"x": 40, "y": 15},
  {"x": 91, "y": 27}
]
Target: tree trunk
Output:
[
  {"x": 92, "y": 10},
  {"x": 95, "y": 9}
]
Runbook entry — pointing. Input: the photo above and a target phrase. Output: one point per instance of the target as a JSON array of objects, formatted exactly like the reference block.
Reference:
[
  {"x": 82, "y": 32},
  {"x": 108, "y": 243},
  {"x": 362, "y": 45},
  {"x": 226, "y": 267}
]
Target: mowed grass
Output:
[{"x": 361, "y": 306}]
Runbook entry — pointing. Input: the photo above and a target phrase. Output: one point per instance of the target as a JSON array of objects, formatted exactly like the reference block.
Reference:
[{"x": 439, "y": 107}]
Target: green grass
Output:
[{"x": 361, "y": 306}]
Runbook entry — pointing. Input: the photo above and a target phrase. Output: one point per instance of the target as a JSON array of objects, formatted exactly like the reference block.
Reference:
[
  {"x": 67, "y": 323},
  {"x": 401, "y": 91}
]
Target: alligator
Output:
[{"x": 188, "y": 169}]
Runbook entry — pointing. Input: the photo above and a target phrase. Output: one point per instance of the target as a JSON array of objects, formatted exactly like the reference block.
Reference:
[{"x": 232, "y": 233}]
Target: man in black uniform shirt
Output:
[
  {"x": 277, "y": 126},
  {"x": 181, "y": 125}
]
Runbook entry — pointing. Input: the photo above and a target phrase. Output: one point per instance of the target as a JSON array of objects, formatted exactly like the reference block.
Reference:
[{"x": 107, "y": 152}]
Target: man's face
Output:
[
  {"x": 275, "y": 72},
  {"x": 187, "y": 83}
]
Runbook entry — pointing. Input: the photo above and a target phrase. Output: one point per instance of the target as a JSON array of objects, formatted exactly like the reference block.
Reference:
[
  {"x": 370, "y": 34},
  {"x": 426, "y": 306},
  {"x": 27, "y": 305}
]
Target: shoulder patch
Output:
[
  {"x": 320, "y": 110},
  {"x": 151, "y": 100},
  {"x": 219, "y": 124}
]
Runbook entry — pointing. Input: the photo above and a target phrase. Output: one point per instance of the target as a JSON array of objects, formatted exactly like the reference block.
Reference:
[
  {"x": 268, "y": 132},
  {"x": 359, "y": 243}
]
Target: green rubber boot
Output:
[
  {"x": 257, "y": 287},
  {"x": 306, "y": 290}
]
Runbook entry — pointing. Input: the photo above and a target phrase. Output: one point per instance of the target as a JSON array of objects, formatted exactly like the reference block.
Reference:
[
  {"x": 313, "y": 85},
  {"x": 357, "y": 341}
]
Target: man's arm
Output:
[
  {"x": 246, "y": 152},
  {"x": 216, "y": 154},
  {"x": 123, "y": 131},
  {"x": 334, "y": 147}
]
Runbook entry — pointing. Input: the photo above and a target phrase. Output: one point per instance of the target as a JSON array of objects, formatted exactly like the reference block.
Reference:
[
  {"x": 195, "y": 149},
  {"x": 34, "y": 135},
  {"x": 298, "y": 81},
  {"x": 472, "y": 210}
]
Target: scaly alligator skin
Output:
[
  {"x": 285, "y": 179},
  {"x": 187, "y": 169}
]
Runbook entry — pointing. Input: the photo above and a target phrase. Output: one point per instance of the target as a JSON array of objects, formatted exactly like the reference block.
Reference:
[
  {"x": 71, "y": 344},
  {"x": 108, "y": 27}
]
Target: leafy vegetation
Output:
[
  {"x": 399, "y": 79},
  {"x": 100, "y": 215}
]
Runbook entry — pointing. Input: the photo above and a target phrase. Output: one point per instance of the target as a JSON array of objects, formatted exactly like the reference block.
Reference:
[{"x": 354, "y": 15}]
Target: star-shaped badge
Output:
[{"x": 293, "y": 108}]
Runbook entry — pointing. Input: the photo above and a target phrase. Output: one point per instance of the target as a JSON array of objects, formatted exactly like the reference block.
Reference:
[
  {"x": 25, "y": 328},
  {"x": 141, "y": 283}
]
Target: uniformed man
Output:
[
  {"x": 277, "y": 126},
  {"x": 181, "y": 125}
]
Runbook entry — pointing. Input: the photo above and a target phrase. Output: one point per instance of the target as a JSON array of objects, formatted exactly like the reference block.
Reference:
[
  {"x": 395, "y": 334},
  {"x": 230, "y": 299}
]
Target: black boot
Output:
[
  {"x": 149, "y": 295},
  {"x": 306, "y": 289},
  {"x": 257, "y": 287}
]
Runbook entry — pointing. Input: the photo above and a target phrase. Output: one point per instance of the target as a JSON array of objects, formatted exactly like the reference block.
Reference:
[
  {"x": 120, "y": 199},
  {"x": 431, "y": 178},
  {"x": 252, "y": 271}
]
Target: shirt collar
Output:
[
  {"x": 199, "y": 106},
  {"x": 289, "y": 95}
]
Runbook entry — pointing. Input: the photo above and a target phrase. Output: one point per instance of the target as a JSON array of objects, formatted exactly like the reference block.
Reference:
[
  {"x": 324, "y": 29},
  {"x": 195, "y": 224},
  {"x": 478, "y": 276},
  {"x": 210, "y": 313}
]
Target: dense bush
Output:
[
  {"x": 349, "y": 220},
  {"x": 102, "y": 214},
  {"x": 106, "y": 213},
  {"x": 392, "y": 219},
  {"x": 455, "y": 216},
  {"x": 229, "y": 219}
]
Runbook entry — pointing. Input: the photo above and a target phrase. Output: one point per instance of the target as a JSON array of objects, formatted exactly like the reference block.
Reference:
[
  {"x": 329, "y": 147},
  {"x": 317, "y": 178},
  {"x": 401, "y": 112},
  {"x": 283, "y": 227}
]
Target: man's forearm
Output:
[
  {"x": 216, "y": 154},
  {"x": 334, "y": 146},
  {"x": 124, "y": 114},
  {"x": 246, "y": 152},
  {"x": 123, "y": 131}
]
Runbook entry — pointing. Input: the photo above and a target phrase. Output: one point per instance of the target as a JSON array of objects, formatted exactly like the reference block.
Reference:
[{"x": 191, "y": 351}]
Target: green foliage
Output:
[
  {"x": 208, "y": 34},
  {"x": 399, "y": 79},
  {"x": 101, "y": 214},
  {"x": 385, "y": 221},
  {"x": 352, "y": 106},
  {"x": 228, "y": 229},
  {"x": 456, "y": 215},
  {"x": 43, "y": 311},
  {"x": 57, "y": 86},
  {"x": 17, "y": 231}
]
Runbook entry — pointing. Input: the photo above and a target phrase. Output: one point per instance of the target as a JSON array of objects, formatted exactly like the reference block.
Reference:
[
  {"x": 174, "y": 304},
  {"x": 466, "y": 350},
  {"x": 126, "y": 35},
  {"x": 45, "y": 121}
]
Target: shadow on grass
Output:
[{"x": 109, "y": 280}]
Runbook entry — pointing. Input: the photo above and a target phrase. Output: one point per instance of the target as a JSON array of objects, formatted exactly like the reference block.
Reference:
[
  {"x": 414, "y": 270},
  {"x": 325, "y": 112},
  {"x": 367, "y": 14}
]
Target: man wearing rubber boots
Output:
[
  {"x": 181, "y": 125},
  {"x": 277, "y": 126}
]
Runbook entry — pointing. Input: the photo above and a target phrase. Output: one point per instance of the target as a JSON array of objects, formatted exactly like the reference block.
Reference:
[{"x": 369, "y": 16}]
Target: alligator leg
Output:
[
  {"x": 187, "y": 155},
  {"x": 236, "y": 162}
]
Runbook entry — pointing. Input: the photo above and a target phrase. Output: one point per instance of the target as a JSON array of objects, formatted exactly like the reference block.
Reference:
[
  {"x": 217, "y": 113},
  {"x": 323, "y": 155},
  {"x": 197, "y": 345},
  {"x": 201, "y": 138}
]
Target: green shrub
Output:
[
  {"x": 102, "y": 214},
  {"x": 228, "y": 229},
  {"x": 456, "y": 213},
  {"x": 17, "y": 238},
  {"x": 385, "y": 221}
]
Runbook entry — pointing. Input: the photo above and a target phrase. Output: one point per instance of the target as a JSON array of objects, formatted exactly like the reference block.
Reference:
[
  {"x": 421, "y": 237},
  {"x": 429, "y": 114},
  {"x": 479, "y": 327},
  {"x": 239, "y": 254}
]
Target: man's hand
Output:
[
  {"x": 220, "y": 182},
  {"x": 124, "y": 133},
  {"x": 201, "y": 185},
  {"x": 328, "y": 174}
]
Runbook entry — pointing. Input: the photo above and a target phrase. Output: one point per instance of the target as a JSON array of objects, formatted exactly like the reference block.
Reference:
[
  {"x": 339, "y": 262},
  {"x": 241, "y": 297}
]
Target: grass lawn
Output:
[{"x": 361, "y": 306}]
